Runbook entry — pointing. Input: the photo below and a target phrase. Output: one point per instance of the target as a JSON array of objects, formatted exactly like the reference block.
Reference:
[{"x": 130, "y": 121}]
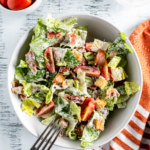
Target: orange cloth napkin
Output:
[{"x": 131, "y": 136}]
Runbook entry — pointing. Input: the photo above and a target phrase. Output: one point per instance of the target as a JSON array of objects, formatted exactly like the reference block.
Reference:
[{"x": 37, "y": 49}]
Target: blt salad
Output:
[{"x": 79, "y": 83}]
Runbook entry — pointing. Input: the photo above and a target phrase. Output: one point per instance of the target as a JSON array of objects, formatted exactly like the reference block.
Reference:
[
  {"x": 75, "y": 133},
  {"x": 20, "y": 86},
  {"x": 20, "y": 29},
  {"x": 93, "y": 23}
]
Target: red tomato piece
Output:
[
  {"x": 87, "y": 108},
  {"x": 93, "y": 88},
  {"x": 105, "y": 71},
  {"x": 88, "y": 46},
  {"x": 82, "y": 63},
  {"x": 45, "y": 108},
  {"x": 50, "y": 60},
  {"x": 18, "y": 4},
  {"x": 100, "y": 58},
  {"x": 89, "y": 71},
  {"x": 3, "y": 3}
]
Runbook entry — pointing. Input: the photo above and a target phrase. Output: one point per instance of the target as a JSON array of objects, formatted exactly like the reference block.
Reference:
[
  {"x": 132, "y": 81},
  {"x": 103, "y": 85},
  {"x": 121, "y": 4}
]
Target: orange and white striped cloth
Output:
[{"x": 136, "y": 135}]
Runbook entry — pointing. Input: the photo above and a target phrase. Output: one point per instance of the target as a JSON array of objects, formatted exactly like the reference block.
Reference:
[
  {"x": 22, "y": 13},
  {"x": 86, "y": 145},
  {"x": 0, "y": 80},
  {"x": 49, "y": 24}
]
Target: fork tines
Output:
[{"x": 52, "y": 131}]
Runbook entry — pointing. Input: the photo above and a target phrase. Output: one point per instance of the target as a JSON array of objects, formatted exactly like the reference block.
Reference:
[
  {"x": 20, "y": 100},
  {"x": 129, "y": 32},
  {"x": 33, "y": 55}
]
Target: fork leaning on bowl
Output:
[{"x": 54, "y": 131}]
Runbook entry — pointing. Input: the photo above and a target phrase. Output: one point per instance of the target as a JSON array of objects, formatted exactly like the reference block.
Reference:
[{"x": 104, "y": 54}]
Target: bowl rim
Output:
[
  {"x": 22, "y": 10},
  {"x": 141, "y": 79}
]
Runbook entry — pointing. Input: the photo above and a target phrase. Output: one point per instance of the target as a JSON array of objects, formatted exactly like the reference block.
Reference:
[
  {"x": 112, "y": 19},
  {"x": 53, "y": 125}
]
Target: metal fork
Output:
[{"x": 58, "y": 129}]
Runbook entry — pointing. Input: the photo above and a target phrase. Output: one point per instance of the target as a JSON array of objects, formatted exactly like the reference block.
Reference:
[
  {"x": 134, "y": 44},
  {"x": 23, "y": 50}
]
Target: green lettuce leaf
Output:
[
  {"x": 89, "y": 56},
  {"x": 121, "y": 90},
  {"x": 89, "y": 136},
  {"x": 23, "y": 64},
  {"x": 81, "y": 28},
  {"x": 75, "y": 110},
  {"x": 27, "y": 108},
  {"x": 119, "y": 45},
  {"x": 118, "y": 74},
  {"x": 114, "y": 62},
  {"x": 30, "y": 77},
  {"x": 131, "y": 87},
  {"x": 32, "y": 101},
  {"x": 26, "y": 87},
  {"x": 70, "y": 59},
  {"x": 49, "y": 119},
  {"x": 88, "y": 81},
  {"x": 40, "y": 60},
  {"x": 122, "y": 105},
  {"x": 98, "y": 44},
  {"x": 122, "y": 63},
  {"x": 82, "y": 83}
]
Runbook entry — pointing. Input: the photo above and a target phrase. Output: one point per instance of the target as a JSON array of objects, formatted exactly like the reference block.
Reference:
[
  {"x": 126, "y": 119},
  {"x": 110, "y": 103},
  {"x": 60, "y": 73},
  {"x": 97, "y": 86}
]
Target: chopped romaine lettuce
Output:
[
  {"x": 49, "y": 119},
  {"x": 114, "y": 62},
  {"x": 122, "y": 105},
  {"x": 30, "y": 77},
  {"x": 66, "y": 24},
  {"x": 60, "y": 102},
  {"x": 26, "y": 87},
  {"x": 131, "y": 87},
  {"x": 23, "y": 64},
  {"x": 82, "y": 28},
  {"x": 121, "y": 90},
  {"x": 70, "y": 59},
  {"x": 118, "y": 74},
  {"x": 76, "y": 84},
  {"x": 40, "y": 60},
  {"x": 89, "y": 136},
  {"x": 98, "y": 44},
  {"x": 89, "y": 56},
  {"x": 39, "y": 88},
  {"x": 39, "y": 44},
  {"x": 94, "y": 116},
  {"x": 82, "y": 83},
  {"x": 32, "y": 101},
  {"x": 122, "y": 63},
  {"x": 27, "y": 108},
  {"x": 75, "y": 110},
  {"x": 88, "y": 81},
  {"x": 19, "y": 74},
  {"x": 119, "y": 45}
]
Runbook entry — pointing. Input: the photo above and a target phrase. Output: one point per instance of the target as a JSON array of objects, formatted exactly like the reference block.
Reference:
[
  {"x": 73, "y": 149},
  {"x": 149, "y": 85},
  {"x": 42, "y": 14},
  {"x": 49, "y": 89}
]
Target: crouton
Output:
[
  {"x": 17, "y": 90},
  {"x": 78, "y": 55},
  {"x": 63, "y": 123},
  {"x": 99, "y": 124},
  {"x": 101, "y": 82},
  {"x": 23, "y": 97},
  {"x": 100, "y": 103},
  {"x": 14, "y": 84},
  {"x": 58, "y": 79}
]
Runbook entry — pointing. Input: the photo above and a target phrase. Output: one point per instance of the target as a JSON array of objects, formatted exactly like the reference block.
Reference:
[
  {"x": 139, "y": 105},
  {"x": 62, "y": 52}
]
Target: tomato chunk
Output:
[
  {"x": 45, "y": 108},
  {"x": 88, "y": 46},
  {"x": 89, "y": 71},
  {"x": 18, "y": 4},
  {"x": 50, "y": 60},
  {"x": 105, "y": 71},
  {"x": 82, "y": 63},
  {"x": 3, "y": 3},
  {"x": 87, "y": 108},
  {"x": 100, "y": 58}
]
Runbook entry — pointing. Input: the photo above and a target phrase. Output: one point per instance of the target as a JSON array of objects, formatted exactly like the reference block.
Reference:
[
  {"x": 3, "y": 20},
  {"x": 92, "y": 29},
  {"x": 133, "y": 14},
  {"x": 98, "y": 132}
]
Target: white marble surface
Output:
[{"x": 13, "y": 136}]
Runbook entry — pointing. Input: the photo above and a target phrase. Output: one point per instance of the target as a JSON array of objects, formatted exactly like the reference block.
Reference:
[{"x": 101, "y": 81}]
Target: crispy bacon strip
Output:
[
  {"x": 30, "y": 58},
  {"x": 51, "y": 34},
  {"x": 63, "y": 69},
  {"x": 23, "y": 97},
  {"x": 74, "y": 98},
  {"x": 14, "y": 84},
  {"x": 17, "y": 90},
  {"x": 111, "y": 93}
]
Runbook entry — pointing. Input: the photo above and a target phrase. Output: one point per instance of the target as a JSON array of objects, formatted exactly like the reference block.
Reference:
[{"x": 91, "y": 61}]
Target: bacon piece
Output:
[
  {"x": 51, "y": 34},
  {"x": 112, "y": 54},
  {"x": 23, "y": 97},
  {"x": 93, "y": 88},
  {"x": 111, "y": 93},
  {"x": 47, "y": 74},
  {"x": 30, "y": 58},
  {"x": 73, "y": 75},
  {"x": 79, "y": 130},
  {"x": 17, "y": 90},
  {"x": 82, "y": 63},
  {"x": 63, "y": 122},
  {"x": 14, "y": 84},
  {"x": 62, "y": 134},
  {"x": 63, "y": 69},
  {"x": 74, "y": 98}
]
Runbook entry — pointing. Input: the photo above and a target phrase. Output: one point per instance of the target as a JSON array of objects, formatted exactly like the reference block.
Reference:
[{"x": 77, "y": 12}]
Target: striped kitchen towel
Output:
[{"x": 130, "y": 137}]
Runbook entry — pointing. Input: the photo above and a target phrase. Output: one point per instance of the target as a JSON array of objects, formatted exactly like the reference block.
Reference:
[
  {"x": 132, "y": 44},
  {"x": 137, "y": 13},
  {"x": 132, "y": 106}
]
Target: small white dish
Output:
[
  {"x": 97, "y": 28},
  {"x": 27, "y": 10}
]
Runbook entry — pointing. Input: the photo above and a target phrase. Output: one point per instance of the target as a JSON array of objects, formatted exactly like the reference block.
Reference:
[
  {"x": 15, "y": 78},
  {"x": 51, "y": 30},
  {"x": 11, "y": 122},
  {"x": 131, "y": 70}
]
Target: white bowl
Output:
[
  {"x": 27, "y": 10},
  {"x": 97, "y": 28}
]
